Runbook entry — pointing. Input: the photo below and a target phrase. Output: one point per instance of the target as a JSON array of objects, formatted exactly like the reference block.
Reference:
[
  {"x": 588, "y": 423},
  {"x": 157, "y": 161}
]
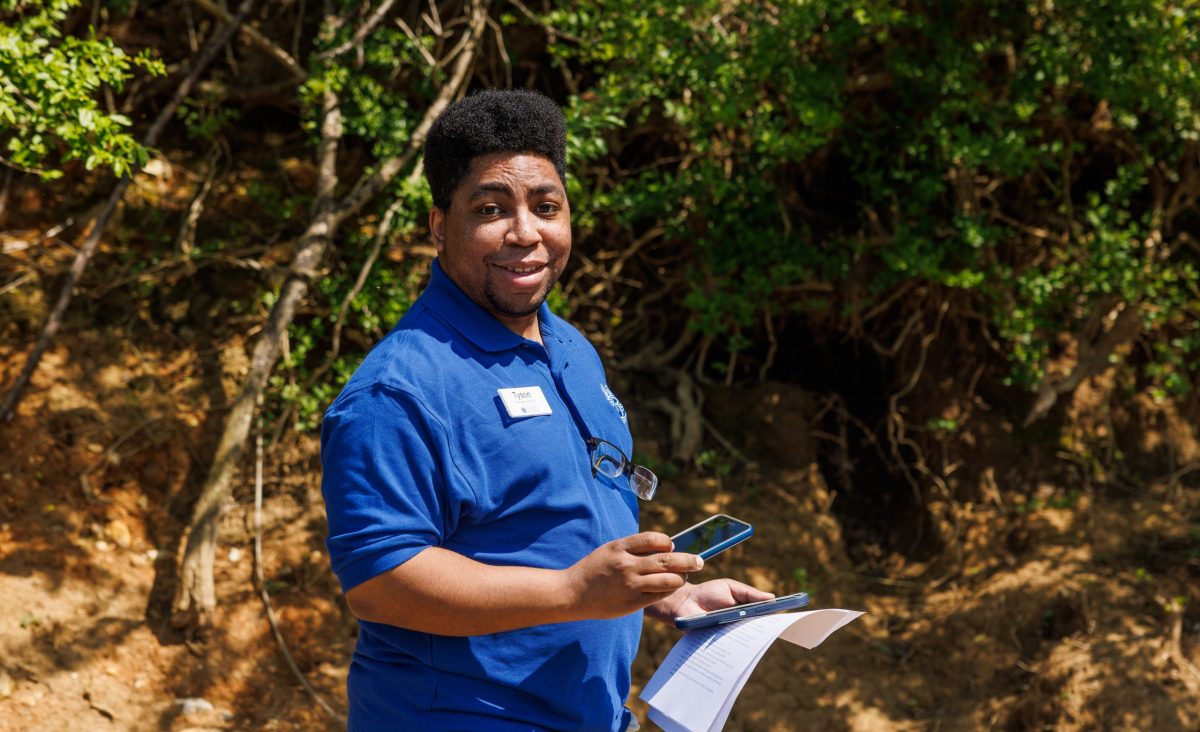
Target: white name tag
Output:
[{"x": 525, "y": 401}]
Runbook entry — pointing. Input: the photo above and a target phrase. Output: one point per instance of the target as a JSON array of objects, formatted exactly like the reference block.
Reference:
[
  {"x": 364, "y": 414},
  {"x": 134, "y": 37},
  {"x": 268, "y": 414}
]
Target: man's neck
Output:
[{"x": 526, "y": 326}]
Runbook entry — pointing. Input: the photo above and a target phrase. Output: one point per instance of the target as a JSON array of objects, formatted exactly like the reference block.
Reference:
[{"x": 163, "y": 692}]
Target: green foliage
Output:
[
  {"x": 389, "y": 291},
  {"x": 738, "y": 99},
  {"x": 558, "y": 302},
  {"x": 778, "y": 162},
  {"x": 375, "y": 82},
  {"x": 29, "y": 620},
  {"x": 809, "y": 581},
  {"x": 942, "y": 424},
  {"x": 383, "y": 84},
  {"x": 808, "y": 159},
  {"x": 664, "y": 469},
  {"x": 714, "y": 461},
  {"x": 1024, "y": 155},
  {"x": 205, "y": 118},
  {"x": 49, "y": 84}
]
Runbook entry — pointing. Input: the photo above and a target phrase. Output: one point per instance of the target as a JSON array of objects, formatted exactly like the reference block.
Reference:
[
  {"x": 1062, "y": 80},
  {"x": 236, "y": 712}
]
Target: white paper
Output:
[{"x": 695, "y": 687}]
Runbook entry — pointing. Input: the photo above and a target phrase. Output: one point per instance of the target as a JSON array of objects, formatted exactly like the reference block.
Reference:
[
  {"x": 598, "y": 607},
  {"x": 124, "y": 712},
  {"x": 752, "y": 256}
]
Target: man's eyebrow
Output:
[
  {"x": 484, "y": 188},
  {"x": 546, "y": 189}
]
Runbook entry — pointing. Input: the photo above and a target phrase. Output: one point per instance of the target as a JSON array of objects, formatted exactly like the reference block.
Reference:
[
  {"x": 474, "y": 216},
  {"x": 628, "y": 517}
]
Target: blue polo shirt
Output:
[{"x": 419, "y": 450}]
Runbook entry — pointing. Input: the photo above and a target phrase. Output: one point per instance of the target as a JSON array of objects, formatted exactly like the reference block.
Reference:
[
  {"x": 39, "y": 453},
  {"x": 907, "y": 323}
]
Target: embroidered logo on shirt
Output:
[{"x": 616, "y": 403}]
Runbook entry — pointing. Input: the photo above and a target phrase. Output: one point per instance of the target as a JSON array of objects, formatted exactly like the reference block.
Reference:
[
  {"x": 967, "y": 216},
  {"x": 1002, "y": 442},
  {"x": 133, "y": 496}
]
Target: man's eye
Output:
[
  {"x": 490, "y": 209},
  {"x": 548, "y": 208}
]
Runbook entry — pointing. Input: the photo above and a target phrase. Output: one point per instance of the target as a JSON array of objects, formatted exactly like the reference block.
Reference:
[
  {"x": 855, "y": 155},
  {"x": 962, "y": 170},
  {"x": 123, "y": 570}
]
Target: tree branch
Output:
[
  {"x": 1093, "y": 357},
  {"x": 370, "y": 185},
  {"x": 361, "y": 33},
  {"x": 256, "y": 38},
  {"x": 88, "y": 248},
  {"x": 195, "y": 596}
]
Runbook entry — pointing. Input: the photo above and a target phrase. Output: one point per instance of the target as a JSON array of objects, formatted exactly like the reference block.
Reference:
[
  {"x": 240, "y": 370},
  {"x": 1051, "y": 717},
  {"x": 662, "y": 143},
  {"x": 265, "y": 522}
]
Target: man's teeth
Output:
[{"x": 524, "y": 270}]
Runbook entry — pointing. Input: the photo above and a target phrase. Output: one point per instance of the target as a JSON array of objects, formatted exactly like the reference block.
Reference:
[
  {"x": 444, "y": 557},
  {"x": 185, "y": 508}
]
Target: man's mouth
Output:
[
  {"x": 523, "y": 276},
  {"x": 521, "y": 268}
]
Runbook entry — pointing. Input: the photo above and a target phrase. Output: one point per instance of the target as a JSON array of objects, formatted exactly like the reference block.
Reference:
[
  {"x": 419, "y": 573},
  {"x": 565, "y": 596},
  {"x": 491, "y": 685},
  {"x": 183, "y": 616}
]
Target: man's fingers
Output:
[
  {"x": 745, "y": 593},
  {"x": 647, "y": 542},
  {"x": 663, "y": 583},
  {"x": 652, "y": 597},
  {"x": 674, "y": 562}
]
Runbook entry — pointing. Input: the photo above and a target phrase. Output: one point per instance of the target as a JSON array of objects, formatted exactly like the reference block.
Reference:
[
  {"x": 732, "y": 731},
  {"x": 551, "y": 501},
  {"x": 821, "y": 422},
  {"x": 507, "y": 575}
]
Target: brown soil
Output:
[{"x": 1043, "y": 607}]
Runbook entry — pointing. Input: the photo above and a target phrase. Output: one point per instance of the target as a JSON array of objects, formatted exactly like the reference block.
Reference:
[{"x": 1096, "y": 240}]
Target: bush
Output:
[{"x": 49, "y": 108}]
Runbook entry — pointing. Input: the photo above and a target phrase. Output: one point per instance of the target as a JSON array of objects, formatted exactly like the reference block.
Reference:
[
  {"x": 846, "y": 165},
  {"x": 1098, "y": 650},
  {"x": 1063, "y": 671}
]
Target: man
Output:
[{"x": 495, "y": 568}]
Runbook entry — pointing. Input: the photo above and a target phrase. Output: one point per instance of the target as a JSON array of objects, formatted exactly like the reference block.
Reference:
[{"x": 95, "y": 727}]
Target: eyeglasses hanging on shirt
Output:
[{"x": 609, "y": 460}]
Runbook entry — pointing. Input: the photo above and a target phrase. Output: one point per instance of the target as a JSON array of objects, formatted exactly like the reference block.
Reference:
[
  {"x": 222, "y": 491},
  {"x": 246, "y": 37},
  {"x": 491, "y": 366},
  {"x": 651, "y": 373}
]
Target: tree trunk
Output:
[
  {"x": 195, "y": 596},
  {"x": 1093, "y": 358}
]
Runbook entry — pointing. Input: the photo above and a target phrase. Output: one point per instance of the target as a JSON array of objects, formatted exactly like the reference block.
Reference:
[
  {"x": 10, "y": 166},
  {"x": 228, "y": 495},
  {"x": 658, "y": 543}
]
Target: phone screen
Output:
[{"x": 709, "y": 534}]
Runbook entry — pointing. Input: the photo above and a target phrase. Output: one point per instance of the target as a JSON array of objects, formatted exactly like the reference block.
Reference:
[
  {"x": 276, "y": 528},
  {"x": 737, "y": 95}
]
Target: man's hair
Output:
[{"x": 516, "y": 120}]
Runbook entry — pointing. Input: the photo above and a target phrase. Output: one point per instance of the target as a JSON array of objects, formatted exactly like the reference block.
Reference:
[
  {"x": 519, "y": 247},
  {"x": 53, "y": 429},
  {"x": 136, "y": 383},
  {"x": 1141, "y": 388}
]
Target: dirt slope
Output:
[{"x": 1072, "y": 611}]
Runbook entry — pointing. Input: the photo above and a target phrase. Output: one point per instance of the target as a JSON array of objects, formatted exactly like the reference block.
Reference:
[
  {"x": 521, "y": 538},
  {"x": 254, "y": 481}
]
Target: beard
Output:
[{"x": 514, "y": 311}]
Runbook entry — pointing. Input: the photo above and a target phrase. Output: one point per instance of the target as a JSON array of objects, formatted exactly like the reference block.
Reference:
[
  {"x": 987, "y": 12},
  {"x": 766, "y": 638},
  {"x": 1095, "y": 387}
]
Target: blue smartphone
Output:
[
  {"x": 712, "y": 535},
  {"x": 741, "y": 612}
]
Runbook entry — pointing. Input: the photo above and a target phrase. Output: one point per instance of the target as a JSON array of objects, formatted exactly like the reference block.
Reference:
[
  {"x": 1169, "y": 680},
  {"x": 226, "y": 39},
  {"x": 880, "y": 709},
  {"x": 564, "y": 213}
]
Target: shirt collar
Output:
[{"x": 477, "y": 325}]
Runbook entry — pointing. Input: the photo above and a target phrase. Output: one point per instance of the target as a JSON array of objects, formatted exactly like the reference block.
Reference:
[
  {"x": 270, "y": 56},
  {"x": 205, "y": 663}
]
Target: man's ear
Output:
[{"x": 437, "y": 228}]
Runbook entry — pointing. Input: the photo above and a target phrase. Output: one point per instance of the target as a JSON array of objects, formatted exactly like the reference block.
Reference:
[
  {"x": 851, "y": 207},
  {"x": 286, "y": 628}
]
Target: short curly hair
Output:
[{"x": 514, "y": 120}]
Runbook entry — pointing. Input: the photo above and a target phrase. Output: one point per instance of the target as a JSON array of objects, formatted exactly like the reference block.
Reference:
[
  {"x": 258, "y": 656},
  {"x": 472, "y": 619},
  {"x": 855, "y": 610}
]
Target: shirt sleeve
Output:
[{"x": 385, "y": 463}]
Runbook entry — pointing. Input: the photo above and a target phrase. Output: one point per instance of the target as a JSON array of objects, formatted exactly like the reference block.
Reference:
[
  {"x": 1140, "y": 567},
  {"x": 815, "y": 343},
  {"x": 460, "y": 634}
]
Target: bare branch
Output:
[
  {"x": 256, "y": 38},
  {"x": 110, "y": 455},
  {"x": 433, "y": 20},
  {"x": 195, "y": 596},
  {"x": 16, "y": 283},
  {"x": 8, "y": 174},
  {"x": 686, "y": 414},
  {"x": 772, "y": 348},
  {"x": 370, "y": 185},
  {"x": 503, "y": 50},
  {"x": 364, "y": 272},
  {"x": 186, "y": 240},
  {"x": 416, "y": 41},
  {"x": 297, "y": 29},
  {"x": 896, "y": 427},
  {"x": 262, "y": 582},
  {"x": 28, "y": 169},
  {"x": 367, "y": 26},
  {"x": 88, "y": 248},
  {"x": 550, "y": 30},
  {"x": 1093, "y": 357},
  {"x": 615, "y": 271}
]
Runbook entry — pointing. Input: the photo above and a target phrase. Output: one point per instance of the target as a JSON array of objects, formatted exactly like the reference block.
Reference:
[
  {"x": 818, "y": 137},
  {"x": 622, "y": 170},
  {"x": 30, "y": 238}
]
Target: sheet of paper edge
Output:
[
  {"x": 810, "y": 638},
  {"x": 837, "y": 618}
]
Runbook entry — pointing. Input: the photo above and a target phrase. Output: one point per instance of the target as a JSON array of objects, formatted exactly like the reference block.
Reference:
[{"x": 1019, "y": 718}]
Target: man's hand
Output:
[
  {"x": 712, "y": 595},
  {"x": 443, "y": 592},
  {"x": 628, "y": 574}
]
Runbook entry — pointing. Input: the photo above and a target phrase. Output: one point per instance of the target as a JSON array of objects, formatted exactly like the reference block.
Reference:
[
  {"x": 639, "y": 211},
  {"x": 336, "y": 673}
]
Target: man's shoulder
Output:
[{"x": 415, "y": 353}]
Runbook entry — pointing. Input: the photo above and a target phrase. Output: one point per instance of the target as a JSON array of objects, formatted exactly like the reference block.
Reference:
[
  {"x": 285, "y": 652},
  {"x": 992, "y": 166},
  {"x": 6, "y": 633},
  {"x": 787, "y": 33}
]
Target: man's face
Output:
[{"x": 507, "y": 235}]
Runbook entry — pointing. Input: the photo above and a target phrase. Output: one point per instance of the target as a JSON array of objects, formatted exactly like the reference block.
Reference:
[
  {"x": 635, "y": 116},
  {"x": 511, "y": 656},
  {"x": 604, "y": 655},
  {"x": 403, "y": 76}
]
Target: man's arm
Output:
[{"x": 442, "y": 592}]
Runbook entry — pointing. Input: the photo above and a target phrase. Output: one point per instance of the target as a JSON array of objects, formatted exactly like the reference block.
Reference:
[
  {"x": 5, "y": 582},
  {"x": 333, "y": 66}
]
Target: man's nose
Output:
[{"x": 523, "y": 230}]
